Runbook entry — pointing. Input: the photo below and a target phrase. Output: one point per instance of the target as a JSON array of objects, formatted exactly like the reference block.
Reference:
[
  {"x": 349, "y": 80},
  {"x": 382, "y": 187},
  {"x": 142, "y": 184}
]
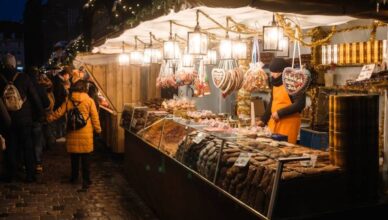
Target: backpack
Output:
[
  {"x": 12, "y": 99},
  {"x": 75, "y": 120}
]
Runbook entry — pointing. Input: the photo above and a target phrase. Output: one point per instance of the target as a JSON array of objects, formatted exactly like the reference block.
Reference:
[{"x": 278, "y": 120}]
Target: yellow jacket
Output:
[{"x": 80, "y": 141}]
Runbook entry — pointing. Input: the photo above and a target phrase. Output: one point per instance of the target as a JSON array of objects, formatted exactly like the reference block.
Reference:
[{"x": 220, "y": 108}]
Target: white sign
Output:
[
  {"x": 366, "y": 72},
  {"x": 243, "y": 159},
  {"x": 199, "y": 138},
  {"x": 311, "y": 162}
]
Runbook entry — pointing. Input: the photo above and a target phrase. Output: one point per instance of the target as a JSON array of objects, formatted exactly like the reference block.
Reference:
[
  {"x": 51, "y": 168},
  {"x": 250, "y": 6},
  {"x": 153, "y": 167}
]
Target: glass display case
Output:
[{"x": 249, "y": 169}]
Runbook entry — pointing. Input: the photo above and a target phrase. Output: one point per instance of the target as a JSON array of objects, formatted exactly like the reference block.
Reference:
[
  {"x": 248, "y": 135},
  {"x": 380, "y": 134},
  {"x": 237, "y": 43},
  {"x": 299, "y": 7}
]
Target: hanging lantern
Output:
[
  {"x": 123, "y": 57},
  {"x": 152, "y": 55},
  {"x": 187, "y": 60},
  {"x": 136, "y": 57},
  {"x": 239, "y": 50},
  {"x": 197, "y": 41},
  {"x": 210, "y": 58},
  {"x": 272, "y": 35},
  {"x": 171, "y": 49},
  {"x": 226, "y": 49}
]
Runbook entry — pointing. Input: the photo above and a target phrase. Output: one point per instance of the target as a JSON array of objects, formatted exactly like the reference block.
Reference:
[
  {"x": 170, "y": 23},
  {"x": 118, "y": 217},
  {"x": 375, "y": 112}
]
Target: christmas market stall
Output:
[{"x": 188, "y": 83}]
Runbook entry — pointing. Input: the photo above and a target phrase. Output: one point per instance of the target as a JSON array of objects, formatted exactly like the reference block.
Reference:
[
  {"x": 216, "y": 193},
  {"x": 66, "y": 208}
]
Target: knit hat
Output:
[{"x": 277, "y": 65}]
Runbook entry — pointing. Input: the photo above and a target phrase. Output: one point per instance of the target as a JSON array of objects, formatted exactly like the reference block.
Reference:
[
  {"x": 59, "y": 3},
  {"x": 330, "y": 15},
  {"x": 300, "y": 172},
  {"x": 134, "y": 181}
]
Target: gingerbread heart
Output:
[
  {"x": 218, "y": 76},
  {"x": 296, "y": 81}
]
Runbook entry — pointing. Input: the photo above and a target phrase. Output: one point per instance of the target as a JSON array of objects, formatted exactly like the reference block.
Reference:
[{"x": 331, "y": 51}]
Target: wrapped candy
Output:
[{"x": 255, "y": 78}]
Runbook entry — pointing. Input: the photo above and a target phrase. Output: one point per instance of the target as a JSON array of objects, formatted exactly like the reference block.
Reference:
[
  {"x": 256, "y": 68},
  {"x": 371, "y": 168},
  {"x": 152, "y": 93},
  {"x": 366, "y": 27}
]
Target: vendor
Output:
[{"x": 283, "y": 111}]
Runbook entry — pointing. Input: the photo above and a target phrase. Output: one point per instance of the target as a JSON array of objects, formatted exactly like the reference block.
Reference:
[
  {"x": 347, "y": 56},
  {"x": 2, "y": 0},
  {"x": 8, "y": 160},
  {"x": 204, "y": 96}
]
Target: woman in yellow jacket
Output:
[
  {"x": 283, "y": 111},
  {"x": 79, "y": 143}
]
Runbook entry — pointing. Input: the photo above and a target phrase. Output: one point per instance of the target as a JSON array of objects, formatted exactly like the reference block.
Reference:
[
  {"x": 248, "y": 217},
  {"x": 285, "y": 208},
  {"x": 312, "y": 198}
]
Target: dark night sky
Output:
[{"x": 12, "y": 10}]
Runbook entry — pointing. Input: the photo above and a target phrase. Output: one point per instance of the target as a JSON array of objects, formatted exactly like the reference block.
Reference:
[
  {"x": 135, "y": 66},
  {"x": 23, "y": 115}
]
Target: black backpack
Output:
[{"x": 75, "y": 120}]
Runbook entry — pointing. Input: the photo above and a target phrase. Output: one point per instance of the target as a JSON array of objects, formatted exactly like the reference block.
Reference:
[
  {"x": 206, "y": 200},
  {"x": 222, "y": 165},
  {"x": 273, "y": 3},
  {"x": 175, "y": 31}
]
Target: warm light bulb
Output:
[
  {"x": 171, "y": 50},
  {"x": 187, "y": 60},
  {"x": 211, "y": 57},
  {"x": 123, "y": 59},
  {"x": 283, "y": 44},
  {"x": 136, "y": 57},
  {"x": 226, "y": 49},
  {"x": 197, "y": 43},
  {"x": 239, "y": 50}
]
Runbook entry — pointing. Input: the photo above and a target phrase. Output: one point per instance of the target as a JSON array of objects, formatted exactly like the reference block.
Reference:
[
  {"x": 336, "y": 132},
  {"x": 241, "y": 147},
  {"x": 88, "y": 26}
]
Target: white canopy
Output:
[{"x": 251, "y": 17}]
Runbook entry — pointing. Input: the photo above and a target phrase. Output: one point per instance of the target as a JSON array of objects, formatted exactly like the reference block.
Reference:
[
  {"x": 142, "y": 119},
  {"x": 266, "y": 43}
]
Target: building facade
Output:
[{"x": 12, "y": 41}]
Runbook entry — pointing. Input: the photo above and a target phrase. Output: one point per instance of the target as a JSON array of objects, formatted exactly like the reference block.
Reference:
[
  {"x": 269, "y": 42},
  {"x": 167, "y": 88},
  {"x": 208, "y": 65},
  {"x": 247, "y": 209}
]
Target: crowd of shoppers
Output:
[{"x": 34, "y": 114}]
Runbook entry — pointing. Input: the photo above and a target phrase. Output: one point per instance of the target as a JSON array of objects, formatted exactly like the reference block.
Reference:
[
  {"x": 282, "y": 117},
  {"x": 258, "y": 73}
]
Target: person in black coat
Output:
[
  {"x": 19, "y": 135},
  {"x": 37, "y": 126},
  {"x": 60, "y": 91},
  {"x": 4, "y": 118}
]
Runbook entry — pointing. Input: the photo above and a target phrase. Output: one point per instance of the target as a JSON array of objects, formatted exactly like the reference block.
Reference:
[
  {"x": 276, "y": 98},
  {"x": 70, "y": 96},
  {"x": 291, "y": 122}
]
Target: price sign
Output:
[
  {"x": 199, "y": 138},
  {"x": 366, "y": 72},
  {"x": 243, "y": 159}
]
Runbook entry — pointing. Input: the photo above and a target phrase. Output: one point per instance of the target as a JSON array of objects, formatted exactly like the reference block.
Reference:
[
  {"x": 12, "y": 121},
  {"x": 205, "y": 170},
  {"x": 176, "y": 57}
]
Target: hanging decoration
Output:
[
  {"x": 201, "y": 84},
  {"x": 228, "y": 77},
  {"x": 239, "y": 49},
  {"x": 166, "y": 78},
  {"x": 272, "y": 35},
  {"x": 171, "y": 49},
  {"x": 226, "y": 49},
  {"x": 197, "y": 41},
  {"x": 210, "y": 58},
  {"x": 186, "y": 73},
  {"x": 255, "y": 78},
  {"x": 296, "y": 81},
  {"x": 123, "y": 57},
  {"x": 136, "y": 56},
  {"x": 151, "y": 55}
]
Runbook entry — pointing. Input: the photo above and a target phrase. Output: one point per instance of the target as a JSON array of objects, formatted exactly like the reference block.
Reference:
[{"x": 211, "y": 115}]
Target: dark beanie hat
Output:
[{"x": 277, "y": 65}]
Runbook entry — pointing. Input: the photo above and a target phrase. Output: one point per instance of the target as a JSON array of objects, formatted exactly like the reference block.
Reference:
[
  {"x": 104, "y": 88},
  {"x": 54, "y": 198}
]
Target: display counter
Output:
[{"x": 180, "y": 167}]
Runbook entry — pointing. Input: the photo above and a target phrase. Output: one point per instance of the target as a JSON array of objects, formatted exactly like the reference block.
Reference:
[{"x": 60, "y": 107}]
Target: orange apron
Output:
[{"x": 288, "y": 125}]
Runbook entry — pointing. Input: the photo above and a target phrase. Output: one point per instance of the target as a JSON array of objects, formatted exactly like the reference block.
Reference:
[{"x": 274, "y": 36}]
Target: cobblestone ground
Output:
[{"x": 52, "y": 197}]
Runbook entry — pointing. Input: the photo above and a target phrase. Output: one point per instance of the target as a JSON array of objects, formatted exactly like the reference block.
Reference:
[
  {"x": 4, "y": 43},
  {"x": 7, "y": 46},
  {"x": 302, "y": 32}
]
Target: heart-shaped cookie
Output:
[
  {"x": 218, "y": 76},
  {"x": 296, "y": 81}
]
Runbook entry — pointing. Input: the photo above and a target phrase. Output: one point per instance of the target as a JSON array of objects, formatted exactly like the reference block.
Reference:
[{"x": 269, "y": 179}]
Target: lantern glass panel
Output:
[
  {"x": 226, "y": 49},
  {"x": 197, "y": 43},
  {"x": 239, "y": 50},
  {"x": 171, "y": 50},
  {"x": 211, "y": 57},
  {"x": 136, "y": 57},
  {"x": 272, "y": 37}
]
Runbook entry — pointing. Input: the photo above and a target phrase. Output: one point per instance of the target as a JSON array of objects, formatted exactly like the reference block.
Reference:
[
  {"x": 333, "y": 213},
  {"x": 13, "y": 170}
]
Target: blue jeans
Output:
[{"x": 37, "y": 141}]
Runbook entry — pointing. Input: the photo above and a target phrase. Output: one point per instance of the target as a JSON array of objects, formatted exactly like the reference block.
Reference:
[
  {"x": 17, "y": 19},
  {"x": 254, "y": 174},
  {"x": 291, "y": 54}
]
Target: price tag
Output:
[
  {"x": 199, "y": 138},
  {"x": 134, "y": 122},
  {"x": 243, "y": 159},
  {"x": 366, "y": 72},
  {"x": 311, "y": 162}
]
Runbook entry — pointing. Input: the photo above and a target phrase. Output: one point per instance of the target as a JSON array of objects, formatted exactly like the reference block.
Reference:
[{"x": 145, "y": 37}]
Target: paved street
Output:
[{"x": 52, "y": 197}]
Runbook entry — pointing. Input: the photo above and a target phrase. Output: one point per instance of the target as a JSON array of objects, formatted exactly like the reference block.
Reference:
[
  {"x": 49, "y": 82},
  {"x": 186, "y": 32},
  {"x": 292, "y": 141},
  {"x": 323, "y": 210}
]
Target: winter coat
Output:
[
  {"x": 4, "y": 117},
  {"x": 80, "y": 141},
  {"x": 41, "y": 92},
  {"x": 32, "y": 105},
  {"x": 59, "y": 90}
]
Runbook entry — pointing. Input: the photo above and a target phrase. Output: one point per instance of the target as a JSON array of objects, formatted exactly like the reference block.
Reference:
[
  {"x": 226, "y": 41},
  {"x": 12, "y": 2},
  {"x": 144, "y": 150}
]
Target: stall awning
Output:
[{"x": 253, "y": 14}]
